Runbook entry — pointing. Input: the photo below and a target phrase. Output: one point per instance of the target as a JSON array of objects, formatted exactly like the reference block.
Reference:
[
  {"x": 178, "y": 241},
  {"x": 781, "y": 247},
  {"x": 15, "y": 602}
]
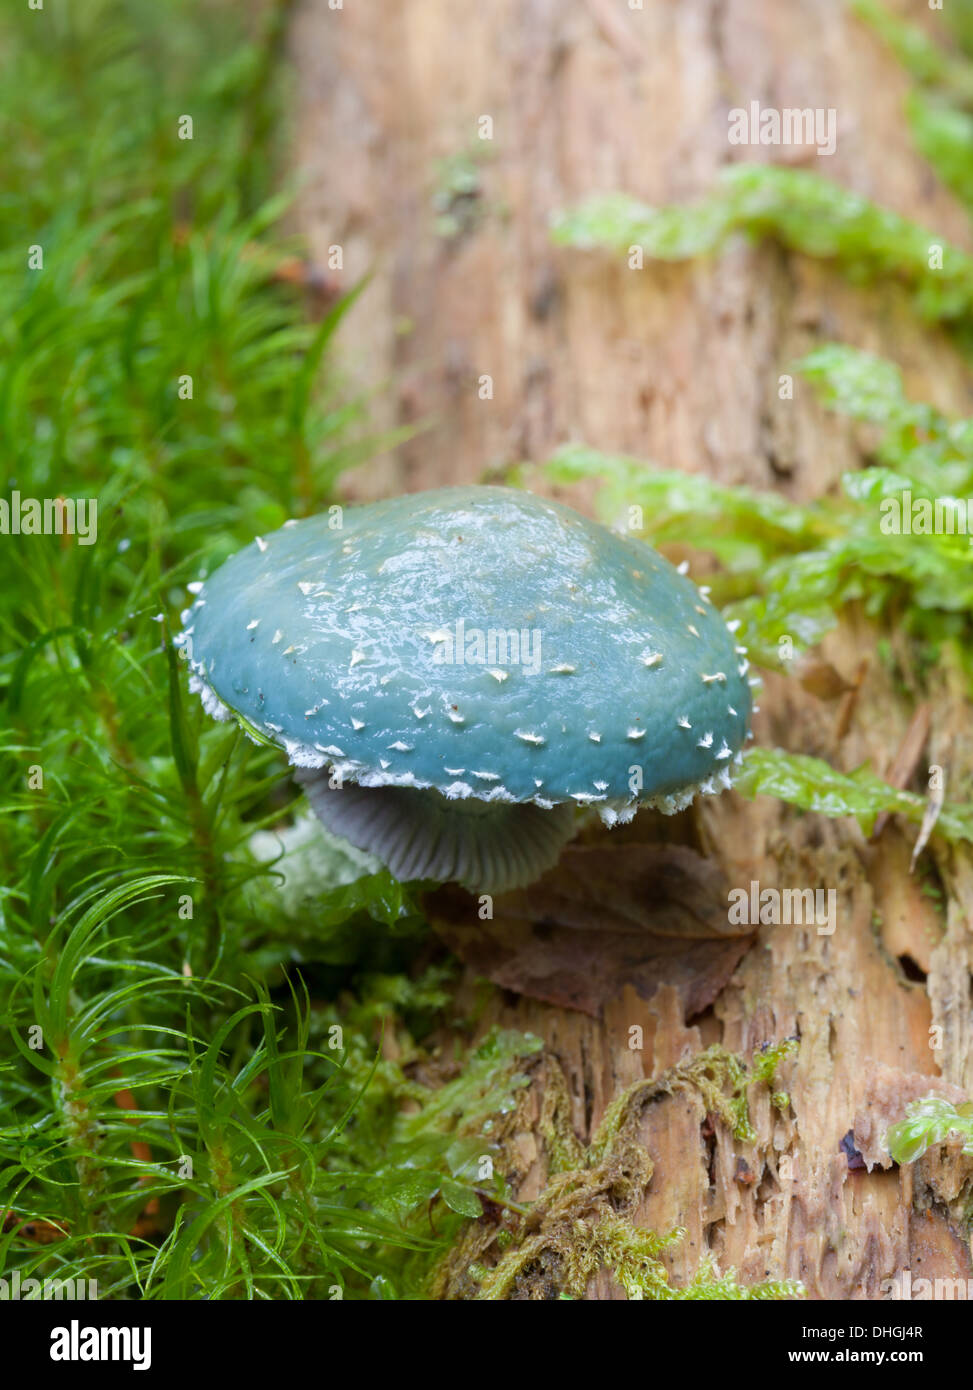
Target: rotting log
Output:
[{"x": 678, "y": 364}]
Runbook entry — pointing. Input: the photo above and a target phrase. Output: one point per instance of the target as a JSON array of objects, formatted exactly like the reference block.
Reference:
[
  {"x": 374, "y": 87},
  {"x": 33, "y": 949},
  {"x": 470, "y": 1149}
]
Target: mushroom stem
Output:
[{"x": 487, "y": 846}]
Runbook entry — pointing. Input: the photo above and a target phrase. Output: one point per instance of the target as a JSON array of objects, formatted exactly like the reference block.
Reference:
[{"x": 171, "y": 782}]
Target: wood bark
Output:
[{"x": 678, "y": 364}]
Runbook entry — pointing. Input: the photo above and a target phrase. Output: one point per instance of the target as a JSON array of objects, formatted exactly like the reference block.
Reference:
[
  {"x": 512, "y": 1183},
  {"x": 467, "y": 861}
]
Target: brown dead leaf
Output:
[
  {"x": 849, "y": 701},
  {"x": 819, "y": 678},
  {"x": 604, "y": 917},
  {"x": 43, "y": 1232}
]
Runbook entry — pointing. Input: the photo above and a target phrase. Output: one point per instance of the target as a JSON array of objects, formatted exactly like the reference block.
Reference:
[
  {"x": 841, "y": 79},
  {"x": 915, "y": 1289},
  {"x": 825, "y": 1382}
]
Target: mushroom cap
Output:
[{"x": 368, "y": 647}]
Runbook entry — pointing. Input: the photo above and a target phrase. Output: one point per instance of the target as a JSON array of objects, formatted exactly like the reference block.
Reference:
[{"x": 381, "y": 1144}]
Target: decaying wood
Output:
[{"x": 678, "y": 364}]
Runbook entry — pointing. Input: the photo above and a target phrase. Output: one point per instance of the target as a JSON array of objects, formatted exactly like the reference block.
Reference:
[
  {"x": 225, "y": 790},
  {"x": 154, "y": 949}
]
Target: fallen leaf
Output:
[
  {"x": 604, "y": 917},
  {"x": 819, "y": 678},
  {"x": 43, "y": 1232}
]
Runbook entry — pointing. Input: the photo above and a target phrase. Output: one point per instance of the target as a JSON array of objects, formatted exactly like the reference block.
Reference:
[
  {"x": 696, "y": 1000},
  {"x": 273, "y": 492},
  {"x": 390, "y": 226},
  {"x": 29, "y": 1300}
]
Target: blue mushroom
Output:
[{"x": 455, "y": 672}]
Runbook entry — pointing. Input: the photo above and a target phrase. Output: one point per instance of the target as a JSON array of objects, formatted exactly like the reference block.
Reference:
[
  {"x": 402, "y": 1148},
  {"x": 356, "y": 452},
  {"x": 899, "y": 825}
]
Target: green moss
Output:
[
  {"x": 928, "y": 1122},
  {"x": 944, "y": 136},
  {"x": 720, "y": 1077},
  {"x": 920, "y": 55},
  {"x": 562, "y": 1146},
  {"x": 764, "y": 1068},
  {"x": 815, "y": 786},
  {"x": 583, "y": 1221},
  {"x": 802, "y": 211},
  {"x": 147, "y": 949},
  {"x": 458, "y": 196}
]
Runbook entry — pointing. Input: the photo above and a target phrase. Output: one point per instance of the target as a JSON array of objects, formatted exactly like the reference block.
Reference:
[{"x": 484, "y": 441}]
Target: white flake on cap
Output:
[{"x": 212, "y": 703}]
